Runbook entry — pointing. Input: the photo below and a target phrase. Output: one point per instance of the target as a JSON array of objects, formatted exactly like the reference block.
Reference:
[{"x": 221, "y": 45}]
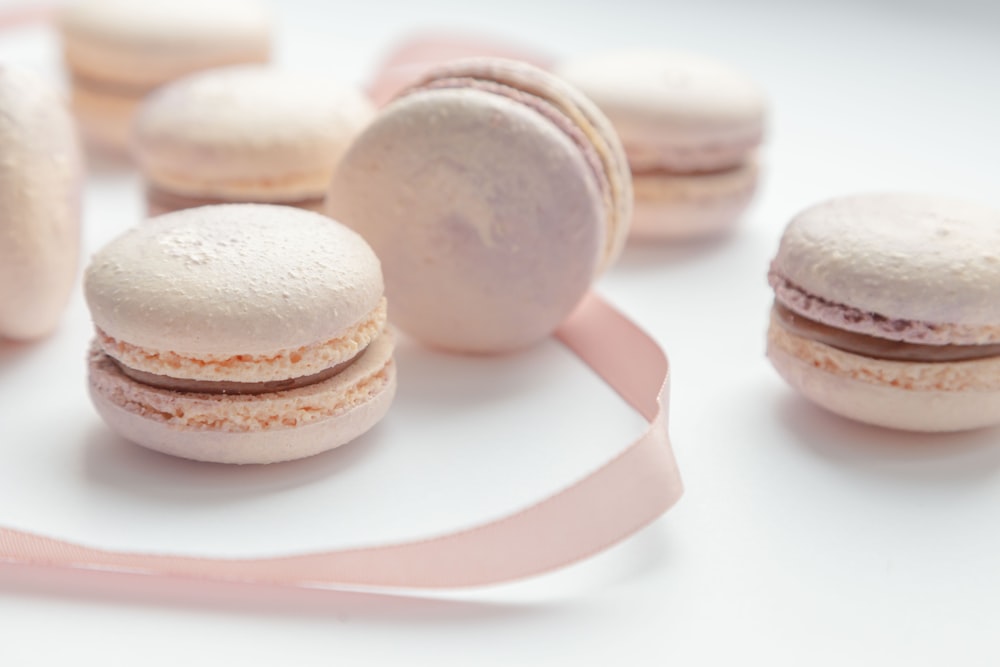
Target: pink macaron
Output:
[
  {"x": 118, "y": 51},
  {"x": 494, "y": 193},
  {"x": 691, "y": 126},
  {"x": 41, "y": 176},
  {"x": 247, "y": 133},
  {"x": 239, "y": 333},
  {"x": 887, "y": 310}
]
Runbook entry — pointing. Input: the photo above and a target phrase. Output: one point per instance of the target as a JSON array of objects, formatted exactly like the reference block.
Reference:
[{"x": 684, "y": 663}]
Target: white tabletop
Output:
[{"x": 802, "y": 538}]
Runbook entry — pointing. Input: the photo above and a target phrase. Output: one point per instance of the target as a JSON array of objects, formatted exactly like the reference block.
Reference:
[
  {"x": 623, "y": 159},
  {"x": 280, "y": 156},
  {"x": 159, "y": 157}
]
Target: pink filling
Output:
[{"x": 845, "y": 317}]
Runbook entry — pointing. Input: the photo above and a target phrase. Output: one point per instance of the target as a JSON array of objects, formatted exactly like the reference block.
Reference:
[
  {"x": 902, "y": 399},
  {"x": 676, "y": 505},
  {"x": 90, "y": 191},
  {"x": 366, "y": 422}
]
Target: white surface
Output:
[{"x": 802, "y": 539}]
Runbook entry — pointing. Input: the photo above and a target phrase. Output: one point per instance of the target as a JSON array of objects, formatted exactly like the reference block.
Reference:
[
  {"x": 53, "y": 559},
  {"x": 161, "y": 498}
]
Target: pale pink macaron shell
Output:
[
  {"x": 41, "y": 176},
  {"x": 910, "y": 267},
  {"x": 224, "y": 293},
  {"x": 905, "y": 267},
  {"x": 248, "y": 133},
  {"x": 487, "y": 215},
  {"x": 929, "y": 397}
]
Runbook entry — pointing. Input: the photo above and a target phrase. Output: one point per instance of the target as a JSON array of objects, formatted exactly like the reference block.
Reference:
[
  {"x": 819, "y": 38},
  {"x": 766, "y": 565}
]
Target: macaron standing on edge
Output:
[
  {"x": 887, "y": 310},
  {"x": 247, "y": 133},
  {"x": 118, "y": 51},
  {"x": 239, "y": 333},
  {"x": 494, "y": 193},
  {"x": 691, "y": 126},
  {"x": 41, "y": 180}
]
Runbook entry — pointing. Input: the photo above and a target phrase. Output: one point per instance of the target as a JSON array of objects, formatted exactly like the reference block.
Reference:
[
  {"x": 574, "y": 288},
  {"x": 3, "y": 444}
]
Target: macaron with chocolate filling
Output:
[
  {"x": 887, "y": 310},
  {"x": 249, "y": 133},
  {"x": 494, "y": 193},
  {"x": 239, "y": 333}
]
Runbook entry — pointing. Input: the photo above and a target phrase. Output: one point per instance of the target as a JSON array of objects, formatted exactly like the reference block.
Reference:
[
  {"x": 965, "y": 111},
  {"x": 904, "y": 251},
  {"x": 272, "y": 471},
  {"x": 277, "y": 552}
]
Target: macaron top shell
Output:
[
  {"x": 248, "y": 131},
  {"x": 910, "y": 262},
  {"x": 232, "y": 279},
  {"x": 489, "y": 217},
  {"x": 41, "y": 175},
  {"x": 163, "y": 39},
  {"x": 665, "y": 100}
]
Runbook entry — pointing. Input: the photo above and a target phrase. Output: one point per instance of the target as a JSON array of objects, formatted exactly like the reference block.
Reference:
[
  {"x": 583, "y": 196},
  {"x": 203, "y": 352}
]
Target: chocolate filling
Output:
[
  {"x": 133, "y": 91},
  {"x": 230, "y": 387},
  {"x": 879, "y": 348},
  {"x": 162, "y": 200}
]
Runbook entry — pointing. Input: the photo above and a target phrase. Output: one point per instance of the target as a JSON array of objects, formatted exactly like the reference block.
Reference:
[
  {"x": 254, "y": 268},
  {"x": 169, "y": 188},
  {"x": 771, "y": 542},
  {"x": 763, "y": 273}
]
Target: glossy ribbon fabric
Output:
[{"x": 606, "y": 506}]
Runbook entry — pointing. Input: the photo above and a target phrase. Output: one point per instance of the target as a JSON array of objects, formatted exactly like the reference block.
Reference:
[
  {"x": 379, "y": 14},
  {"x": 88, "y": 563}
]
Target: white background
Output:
[{"x": 802, "y": 538}]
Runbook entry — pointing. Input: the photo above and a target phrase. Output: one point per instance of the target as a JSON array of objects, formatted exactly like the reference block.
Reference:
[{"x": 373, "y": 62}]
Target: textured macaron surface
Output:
[
  {"x": 40, "y": 186},
  {"x": 668, "y": 106},
  {"x": 489, "y": 216},
  {"x": 248, "y": 131},
  {"x": 143, "y": 43},
  {"x": 233, "y": 282},
  {"x": 907, "y": 267}
]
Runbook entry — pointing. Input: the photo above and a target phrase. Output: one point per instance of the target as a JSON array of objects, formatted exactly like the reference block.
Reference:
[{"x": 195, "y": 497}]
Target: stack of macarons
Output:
[
  {"x": 489, "y": 193},
  {"x": 118, "y": 51}
]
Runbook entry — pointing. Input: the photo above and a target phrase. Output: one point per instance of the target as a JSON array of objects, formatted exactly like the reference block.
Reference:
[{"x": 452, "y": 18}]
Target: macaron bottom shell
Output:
[
  {"x": 671, "y": 206},
  {"x": 912, "y": 396},
  {"x": 249, "y": 428}
]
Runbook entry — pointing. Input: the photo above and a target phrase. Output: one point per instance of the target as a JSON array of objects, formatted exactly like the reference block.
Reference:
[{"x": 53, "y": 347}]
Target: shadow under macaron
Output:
[
  {"x": 113, "y": 462},
  {"x": 932, "y": 458}
]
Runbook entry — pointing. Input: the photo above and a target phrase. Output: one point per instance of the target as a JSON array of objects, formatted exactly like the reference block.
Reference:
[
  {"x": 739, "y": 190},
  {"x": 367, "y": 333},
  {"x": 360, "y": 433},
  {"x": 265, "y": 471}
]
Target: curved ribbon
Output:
[{"x": 606, "y": 506}]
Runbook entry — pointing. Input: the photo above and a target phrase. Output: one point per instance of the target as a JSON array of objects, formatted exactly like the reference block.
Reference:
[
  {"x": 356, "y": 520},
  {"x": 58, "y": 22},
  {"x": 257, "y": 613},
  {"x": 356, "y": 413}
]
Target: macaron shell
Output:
[
  {"x": 673, "y": 109},
  {"x": 680, "y": 206},
  {"x": 232, "y": 279},
  {"x": 910, "y": 396},
  {"x": 144, "y": 44},
  {"x": 248, "y": 133},
  {"x": 902, "y": 257},
  {"x": 527, "y": 79},
  {"x": 264, "y": 428},
  {"x": 41, "y": 175},
  {"x": 486, "y": 216}
]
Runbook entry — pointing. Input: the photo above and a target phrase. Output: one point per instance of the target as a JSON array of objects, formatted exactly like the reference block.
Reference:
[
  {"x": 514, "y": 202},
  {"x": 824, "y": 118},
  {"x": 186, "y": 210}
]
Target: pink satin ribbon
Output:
[{"x": 606, "y": 506}]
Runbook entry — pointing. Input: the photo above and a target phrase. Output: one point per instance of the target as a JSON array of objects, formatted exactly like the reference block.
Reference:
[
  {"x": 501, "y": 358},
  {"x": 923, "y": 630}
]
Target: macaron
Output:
[
  {"x": 494, "y": 193},
  {"x": 247, "y": 133},
  {"x": 118, "y": 51},
  {"x": 691, "y": 126},
  {"x": 409, "y": 59},
  {"x": 239, "y": 333},
  {"x": 41, "y": 176},
  {"x": 887, "y": 310}
]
